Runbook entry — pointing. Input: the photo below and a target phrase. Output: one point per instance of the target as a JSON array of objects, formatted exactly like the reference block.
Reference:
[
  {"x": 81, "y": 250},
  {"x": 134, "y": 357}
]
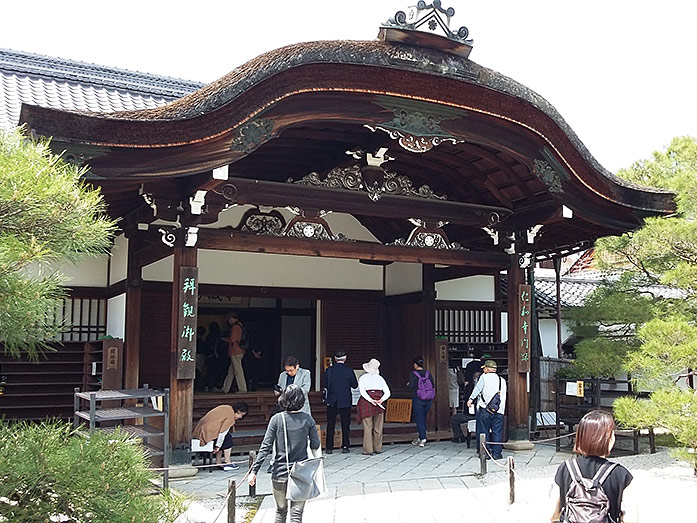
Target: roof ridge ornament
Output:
[{"x": 427, "y": 25}]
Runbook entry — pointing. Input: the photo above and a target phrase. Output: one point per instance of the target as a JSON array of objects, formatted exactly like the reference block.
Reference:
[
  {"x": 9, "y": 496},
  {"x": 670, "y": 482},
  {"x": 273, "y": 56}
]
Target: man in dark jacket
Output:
[{"x": 338, "y": 380}]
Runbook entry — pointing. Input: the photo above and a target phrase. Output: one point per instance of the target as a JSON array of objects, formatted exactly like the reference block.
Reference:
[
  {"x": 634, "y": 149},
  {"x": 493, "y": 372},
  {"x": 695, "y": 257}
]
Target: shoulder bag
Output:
[{"x": 306, "y": 477}]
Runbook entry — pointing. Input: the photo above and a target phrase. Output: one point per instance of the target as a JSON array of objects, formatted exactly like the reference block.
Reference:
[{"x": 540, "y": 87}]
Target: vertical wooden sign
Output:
[
  {"x": 188, "y": 312},
  {"x": 524, "y": 327}
]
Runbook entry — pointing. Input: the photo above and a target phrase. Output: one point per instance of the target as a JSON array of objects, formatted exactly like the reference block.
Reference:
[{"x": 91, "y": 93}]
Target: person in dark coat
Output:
[{"x": 338, "y": 380}]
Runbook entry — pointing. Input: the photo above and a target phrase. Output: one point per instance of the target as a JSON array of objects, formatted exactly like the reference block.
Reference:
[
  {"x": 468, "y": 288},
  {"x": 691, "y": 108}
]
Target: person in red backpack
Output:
[
  {"x": 595, "y": 437},
  {"x": 421, "y": 382}
]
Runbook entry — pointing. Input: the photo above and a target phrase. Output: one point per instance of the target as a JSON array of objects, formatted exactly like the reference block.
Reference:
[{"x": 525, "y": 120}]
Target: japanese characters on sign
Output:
[
  {"x": 524, "y": 305},
  {"x": 187, "y": 323}
]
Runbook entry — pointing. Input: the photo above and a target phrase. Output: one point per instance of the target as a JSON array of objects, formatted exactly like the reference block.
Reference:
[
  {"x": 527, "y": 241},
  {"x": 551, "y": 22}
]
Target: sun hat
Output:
[
  {"x": 372, "y": 366},
  {"x": 489, "y": 364}
]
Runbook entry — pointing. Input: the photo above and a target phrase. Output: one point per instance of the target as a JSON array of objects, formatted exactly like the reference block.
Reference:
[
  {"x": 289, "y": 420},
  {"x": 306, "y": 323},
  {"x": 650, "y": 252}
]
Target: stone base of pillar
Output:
[
  {"x": 182, "y": 471},
  {"x": 518, "y": 445}
]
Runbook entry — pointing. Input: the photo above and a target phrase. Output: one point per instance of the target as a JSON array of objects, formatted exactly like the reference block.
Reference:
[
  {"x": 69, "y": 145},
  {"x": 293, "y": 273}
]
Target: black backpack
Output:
[
  {"x": 586, "y": 500},
  {"x": 244, "y": 339}
]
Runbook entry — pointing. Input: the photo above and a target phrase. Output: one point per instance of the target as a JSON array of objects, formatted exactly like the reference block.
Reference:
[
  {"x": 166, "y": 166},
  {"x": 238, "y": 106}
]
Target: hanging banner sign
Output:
[
  {"x": 524, "y": 327},
  {"x": 187, "y": 321}
]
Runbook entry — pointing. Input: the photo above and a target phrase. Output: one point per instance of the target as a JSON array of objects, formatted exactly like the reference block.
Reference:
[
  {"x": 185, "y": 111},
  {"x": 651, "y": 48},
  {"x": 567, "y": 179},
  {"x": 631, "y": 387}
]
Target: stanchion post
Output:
[
  {"x": 231, "y": 489},
  {"x": 252, "y": 457},
  {"x": 482, "y": 453},
  {"x": 511, "y": 480}
]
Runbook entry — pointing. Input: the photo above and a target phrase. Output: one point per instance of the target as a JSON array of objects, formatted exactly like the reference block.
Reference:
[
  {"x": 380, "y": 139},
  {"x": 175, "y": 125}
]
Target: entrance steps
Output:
[{"x": 249, "y": 431}]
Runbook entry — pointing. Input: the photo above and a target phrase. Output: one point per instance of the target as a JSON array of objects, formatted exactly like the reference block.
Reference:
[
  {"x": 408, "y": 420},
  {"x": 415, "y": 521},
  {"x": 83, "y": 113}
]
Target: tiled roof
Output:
[
  {"x": 77, "y": 86},
  {"x": 575, "y": 291}
]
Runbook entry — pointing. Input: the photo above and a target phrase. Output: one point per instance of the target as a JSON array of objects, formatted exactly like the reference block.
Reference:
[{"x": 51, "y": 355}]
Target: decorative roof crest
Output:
[{"x": 431, "y": 19}]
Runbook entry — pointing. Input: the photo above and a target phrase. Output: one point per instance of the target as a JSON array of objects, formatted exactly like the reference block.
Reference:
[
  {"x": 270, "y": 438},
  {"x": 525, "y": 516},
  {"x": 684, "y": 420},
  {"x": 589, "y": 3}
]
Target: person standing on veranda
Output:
[
  {"x": 235, "y": 371},
  {"x": 371, "y": 411},
  {"x": 338, "y": 380},
  {"x": 294, "y": 374}
]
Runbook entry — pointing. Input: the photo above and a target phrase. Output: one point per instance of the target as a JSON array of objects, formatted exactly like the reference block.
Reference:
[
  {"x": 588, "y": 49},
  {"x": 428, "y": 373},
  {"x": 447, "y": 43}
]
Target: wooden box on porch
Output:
[{"x": 398, "y": 411}]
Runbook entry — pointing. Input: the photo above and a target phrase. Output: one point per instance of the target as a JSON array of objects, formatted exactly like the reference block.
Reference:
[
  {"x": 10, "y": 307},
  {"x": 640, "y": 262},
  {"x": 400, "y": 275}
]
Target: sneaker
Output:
[
  {"x": 422, "y": 443},
  {"x": 231, "y": 467},
  {"x": 328, "y": 451},
  {"x": 418, "y": 442},
  {"x": 345, "y": 450}
]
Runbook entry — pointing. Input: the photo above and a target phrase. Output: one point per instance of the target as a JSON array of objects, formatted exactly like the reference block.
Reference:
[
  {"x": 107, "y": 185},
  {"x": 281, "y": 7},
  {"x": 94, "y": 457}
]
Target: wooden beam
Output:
[
  {"x": 276, "y": 194},
  {"x": 453, "y": 273},
  {"x": 229, "y": 240}
]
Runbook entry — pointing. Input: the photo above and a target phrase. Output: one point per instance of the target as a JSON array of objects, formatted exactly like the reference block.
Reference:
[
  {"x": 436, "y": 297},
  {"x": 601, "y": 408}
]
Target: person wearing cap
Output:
[
  {"x": 338, "y": 380},
  {"x": 370, "y": 411},
  {"x": 489, "y": 423}
]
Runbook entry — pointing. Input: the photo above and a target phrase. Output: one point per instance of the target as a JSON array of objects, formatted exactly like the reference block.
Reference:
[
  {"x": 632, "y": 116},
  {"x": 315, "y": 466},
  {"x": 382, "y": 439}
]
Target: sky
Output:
[{"x": 620, "y": 72}]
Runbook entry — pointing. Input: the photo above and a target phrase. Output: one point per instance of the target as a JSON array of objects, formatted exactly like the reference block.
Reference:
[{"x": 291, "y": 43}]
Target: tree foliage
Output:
[
  {"x": 47, "y": 214},
  {"x": 660, "y": 347},
  {"x": 52, "y": 473}
]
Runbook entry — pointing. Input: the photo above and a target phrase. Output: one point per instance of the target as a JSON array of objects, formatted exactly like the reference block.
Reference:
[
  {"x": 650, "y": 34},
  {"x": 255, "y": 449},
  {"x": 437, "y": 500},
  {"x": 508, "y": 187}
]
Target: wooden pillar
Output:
[
  {"x": 557, "y": 280},
  {"x": 436, "y": 355},
  {"x": 517, "y": 402},
  {"x": 181, "y": 390},
  {"x": 134, "y": 283}
]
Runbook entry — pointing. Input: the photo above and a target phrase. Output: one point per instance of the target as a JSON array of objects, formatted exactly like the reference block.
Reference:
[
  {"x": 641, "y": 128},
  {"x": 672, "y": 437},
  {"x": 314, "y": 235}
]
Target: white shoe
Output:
[
  {"x": 418, "y": 442},
  {"x": 422, "y": 442}
]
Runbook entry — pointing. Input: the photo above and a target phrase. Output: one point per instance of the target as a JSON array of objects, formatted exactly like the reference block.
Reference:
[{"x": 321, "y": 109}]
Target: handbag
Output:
[
  {"x": 306, "y": 478},
  {"x": 495, "y": 402}
]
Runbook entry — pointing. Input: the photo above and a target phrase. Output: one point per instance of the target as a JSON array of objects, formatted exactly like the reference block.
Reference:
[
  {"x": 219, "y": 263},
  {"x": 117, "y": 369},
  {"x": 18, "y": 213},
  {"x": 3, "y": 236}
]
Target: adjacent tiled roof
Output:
[
  {"x": 575, "y": 291},
  {"x": 66, "y": 84}
]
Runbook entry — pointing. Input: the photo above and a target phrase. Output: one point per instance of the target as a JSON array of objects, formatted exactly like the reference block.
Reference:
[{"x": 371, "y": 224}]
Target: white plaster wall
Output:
[
  {"x": 119, "y": 260},
  {"x": 89, "y": 271},
  {"x": 403, "y": 278},
  {"x": 116, "y": 317},
  {"x": 274, "y": 270},
  {"x": 504, "y": 326},
  {"x": 548, "y": 336},
  {"x": 471, "y": 288}
]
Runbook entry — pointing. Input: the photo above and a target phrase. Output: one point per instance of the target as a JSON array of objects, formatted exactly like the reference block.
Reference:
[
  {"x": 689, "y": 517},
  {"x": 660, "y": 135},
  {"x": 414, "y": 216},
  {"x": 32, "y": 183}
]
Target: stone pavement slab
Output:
[{"x": 396, "y": 486}]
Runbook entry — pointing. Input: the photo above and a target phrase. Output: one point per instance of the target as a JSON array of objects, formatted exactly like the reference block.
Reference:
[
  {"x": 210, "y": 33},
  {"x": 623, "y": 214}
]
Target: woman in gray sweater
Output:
[{"x": 301, "y": 428}]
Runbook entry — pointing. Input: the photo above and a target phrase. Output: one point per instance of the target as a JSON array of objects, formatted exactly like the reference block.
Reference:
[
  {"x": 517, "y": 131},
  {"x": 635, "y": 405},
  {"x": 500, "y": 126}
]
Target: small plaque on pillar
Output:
[
  {"x": 524, "y": 325},
  {"x": 187, "y": 321}
]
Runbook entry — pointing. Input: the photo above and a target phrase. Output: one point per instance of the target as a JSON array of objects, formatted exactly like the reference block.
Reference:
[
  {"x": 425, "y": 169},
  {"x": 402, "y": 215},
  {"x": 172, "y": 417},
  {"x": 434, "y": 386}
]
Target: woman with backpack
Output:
[
  {"x": 591, "y": 488},
  {"x": 421, "y": 382}
]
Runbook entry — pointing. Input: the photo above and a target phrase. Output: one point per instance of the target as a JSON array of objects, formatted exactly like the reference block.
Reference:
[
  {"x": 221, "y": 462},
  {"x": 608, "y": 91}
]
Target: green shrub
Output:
[{"x": 50, "y": 472}]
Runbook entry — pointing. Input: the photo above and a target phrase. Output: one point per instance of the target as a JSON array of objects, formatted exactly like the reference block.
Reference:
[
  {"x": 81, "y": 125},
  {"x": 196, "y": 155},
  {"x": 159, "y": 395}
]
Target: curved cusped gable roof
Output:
[{"x": 314, "y": 89}]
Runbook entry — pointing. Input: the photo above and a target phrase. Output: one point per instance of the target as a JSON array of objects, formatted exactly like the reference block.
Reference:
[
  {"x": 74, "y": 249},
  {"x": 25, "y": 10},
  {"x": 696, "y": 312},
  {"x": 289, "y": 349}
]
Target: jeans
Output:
[
  {"x": 345, "y": 414},
  {"x": 420, "y": 409},
  {"x": 490, "y": 423},
  {"x": 279, "y": 495}
]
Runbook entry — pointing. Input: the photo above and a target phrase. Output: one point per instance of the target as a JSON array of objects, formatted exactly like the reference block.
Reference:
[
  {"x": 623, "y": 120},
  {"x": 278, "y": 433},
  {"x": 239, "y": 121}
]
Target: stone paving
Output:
[{"x": 441, "y": 483}]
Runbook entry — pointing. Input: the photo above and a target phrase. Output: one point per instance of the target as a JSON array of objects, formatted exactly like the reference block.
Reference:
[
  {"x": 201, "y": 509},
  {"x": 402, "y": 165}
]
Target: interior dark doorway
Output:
[{"x": 273, "y": 327}]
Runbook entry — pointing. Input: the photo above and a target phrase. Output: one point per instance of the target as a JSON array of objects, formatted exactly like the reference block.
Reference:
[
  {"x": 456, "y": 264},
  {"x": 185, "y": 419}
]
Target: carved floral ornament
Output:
[
  {"x": 416, "y": 125},
  {"x": 371, "y": 178}
]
